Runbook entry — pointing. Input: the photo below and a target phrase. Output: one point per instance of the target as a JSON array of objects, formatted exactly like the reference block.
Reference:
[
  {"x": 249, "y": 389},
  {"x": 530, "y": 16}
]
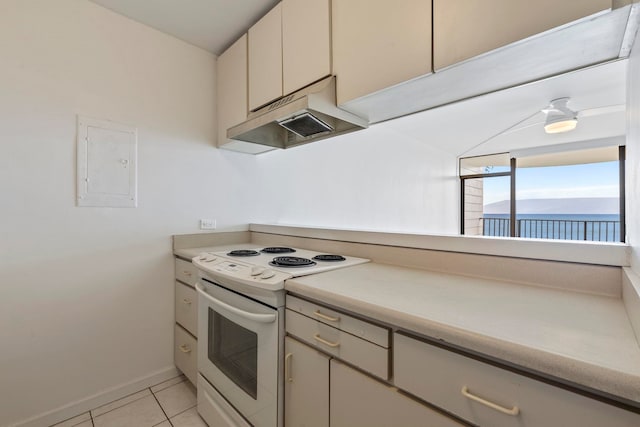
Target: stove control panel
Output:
[{"x": 249, "y": 274}]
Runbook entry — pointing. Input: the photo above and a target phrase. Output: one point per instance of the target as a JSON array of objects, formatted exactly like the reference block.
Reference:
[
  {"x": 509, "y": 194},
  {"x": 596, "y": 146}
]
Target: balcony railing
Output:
[{"x": 561, "y": 229}]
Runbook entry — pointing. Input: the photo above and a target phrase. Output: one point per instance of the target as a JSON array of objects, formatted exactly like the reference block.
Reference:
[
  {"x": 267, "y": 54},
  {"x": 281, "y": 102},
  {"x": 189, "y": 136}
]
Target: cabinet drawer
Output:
[
  {"x": 185, "y": 353},
  {"x": 367, "y": 356},
  {"x": 186, "y": 272},
  {"x": 359, "y": 400},
  {"x": 357, "y": 327},
  {"x": 186, "y": 308},
  {"x": 442, "y": 377}
]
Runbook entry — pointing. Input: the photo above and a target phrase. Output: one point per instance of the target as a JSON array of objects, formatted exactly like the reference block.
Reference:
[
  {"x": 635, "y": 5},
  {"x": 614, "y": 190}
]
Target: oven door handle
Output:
[{"x": 260, "y": 318}]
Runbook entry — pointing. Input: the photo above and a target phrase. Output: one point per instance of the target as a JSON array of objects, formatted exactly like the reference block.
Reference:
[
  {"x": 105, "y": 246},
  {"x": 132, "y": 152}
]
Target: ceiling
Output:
[
  {"x": 210, "y": 24},
  {"x": 511, "y": 119}
]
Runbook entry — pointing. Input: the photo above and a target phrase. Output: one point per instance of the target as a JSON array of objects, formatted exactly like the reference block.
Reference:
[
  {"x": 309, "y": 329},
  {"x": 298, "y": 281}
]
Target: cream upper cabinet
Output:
[
  {"x": 265, "y": 59},
  {"x": 306, "y": 43},
  {"x": 466, "y": 28},
  {"x": 289, "y": 48},
  {"x": 378, "y": 43},
  {"x": 232, "y": 88}
]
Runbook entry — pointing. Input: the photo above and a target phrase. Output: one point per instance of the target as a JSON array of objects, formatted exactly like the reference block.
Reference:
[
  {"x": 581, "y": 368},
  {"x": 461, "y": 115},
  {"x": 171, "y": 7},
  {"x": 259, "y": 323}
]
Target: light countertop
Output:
[
  {"x": 584, "y": 339},
  {"x": 580, "y": 338}
]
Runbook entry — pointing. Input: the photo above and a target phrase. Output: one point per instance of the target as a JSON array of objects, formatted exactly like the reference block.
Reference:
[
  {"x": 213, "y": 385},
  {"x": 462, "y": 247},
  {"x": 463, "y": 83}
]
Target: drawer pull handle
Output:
[
  {"x": 325, "y": 342},
  {"x": 325, "y": 317},
  {"x": 186, "y": 301},
  {"x": 185, "y": 348},
  {"x": 187, "y": 273},
  {"x": 513, "y": 411},
  {"x": 287, "y": 367}
]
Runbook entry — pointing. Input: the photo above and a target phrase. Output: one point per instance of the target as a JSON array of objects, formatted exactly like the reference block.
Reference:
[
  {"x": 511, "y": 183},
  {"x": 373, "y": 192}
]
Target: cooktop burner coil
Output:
[
  {"x": 243, "y": 252},
  {"x": 291, "y": 261},
  {"x": 329, "y": 257},
  {"x": 278, "y": 250}
]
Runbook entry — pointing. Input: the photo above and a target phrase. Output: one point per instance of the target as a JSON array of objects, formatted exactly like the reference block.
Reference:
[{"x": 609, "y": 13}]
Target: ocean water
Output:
[{"x": 595, "y": 227}]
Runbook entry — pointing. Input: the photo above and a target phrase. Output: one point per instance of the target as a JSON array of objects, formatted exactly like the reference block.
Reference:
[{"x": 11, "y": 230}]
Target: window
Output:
[{"x": 568, "y": 195}]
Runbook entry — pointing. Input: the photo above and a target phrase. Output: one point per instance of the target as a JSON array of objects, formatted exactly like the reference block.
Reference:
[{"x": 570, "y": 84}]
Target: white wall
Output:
[
  {"x": 375, "y": 179},
  {"x": 86, "y": 294},
  {"x": 633, "y": 155}
]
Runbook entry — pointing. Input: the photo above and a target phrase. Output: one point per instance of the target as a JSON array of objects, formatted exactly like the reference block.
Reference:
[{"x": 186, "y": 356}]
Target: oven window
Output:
[{"x": 234, "y": 350}]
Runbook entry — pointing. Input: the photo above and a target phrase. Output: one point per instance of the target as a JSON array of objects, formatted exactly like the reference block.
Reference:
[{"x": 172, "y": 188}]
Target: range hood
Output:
[{"x": 311, "y": 114}]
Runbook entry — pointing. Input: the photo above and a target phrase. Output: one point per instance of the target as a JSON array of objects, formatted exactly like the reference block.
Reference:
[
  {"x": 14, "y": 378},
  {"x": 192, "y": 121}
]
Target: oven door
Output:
[{"x": 238, "y": 351}]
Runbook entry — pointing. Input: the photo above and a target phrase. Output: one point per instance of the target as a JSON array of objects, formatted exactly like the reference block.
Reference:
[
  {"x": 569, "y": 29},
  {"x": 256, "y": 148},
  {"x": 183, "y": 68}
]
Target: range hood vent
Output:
[{"x": 308, "y": 115}]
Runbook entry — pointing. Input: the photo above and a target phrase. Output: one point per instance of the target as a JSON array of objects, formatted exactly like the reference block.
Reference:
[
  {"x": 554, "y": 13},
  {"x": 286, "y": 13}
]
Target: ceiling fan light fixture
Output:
[
  {"x": 561, "y": 126},
  {"x": 560, "y": 118}
]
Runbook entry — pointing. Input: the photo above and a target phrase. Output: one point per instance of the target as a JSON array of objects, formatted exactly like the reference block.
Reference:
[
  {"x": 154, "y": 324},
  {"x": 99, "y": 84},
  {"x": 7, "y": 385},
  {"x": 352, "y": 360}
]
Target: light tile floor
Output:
[{"x": 170, "y": 403}]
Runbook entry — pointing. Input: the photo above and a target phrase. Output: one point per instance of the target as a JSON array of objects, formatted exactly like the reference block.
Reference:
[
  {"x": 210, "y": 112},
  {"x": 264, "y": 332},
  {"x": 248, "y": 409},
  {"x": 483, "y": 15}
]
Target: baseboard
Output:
[{"x": 101, "y": 398}]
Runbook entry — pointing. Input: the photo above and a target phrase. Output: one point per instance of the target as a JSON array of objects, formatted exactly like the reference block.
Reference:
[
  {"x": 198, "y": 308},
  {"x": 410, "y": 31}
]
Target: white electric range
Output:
[{"x": 241, "y": 330}]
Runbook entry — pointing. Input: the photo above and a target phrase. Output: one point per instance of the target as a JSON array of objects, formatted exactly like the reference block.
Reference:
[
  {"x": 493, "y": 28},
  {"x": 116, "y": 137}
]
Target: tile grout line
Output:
[
  {"x": 111, "y": 410},
  {"x": 182, "y": 412},
  {"x": 169, "y": 386},
  {"x": 161, "y": 408}
]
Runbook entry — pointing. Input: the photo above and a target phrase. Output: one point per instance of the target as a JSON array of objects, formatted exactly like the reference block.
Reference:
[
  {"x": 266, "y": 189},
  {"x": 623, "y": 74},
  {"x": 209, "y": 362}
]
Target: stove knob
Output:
[
  {"x": 268, "y": 274},
  {"x": 256, "y": 271},
  {"x": 207, "y": 257}
]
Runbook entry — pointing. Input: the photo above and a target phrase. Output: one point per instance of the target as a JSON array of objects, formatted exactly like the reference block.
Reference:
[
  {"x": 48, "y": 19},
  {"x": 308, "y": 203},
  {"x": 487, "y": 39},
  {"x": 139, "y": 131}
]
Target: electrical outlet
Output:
[{"x": 207, "y": 224}]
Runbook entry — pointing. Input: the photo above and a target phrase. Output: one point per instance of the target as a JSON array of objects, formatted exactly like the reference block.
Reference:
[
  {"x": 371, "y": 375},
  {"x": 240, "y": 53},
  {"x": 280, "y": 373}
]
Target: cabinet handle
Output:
[
  {"x": 325, "y": 342},
  {"x": 325, "y": 317},
  {"x": 186, "y": 301},
  {"x": 287, "y": 367},
  {"x": 187, "y": 273},
  {"x": 185, "y": 348},
  {"x": 513, "y": 411}
]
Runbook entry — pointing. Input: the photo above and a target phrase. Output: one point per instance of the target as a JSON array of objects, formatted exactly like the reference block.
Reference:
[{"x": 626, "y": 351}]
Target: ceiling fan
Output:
[{"x": 556, "y": 117}]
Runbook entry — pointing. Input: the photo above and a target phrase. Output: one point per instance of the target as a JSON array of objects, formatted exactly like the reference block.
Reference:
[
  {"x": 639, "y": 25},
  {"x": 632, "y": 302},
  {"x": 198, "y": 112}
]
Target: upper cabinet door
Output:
[
  {"x": 265, "y": 59},
  {"x": 232, "y": 88},
  {"x": 466, "y": 28},
  {"x": 379, "y": 43},
  {"x": 306, "y": 42}
]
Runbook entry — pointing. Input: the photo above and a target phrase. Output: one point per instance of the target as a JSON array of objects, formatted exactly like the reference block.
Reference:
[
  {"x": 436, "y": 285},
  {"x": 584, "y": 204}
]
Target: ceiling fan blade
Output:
[{"x": 609, "y": 109}]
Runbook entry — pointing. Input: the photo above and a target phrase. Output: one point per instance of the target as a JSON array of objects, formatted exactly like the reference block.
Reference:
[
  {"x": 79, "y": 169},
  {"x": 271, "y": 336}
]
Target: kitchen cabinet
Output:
[
  {"x": 306, "y": 387},
  {"x": 185, "y": 340},
  {"x": 488, "y": 395},
  {"x": 185, "y": 353},
  {"x": 358, "y": 400},
  {"x": 289, "y": 48},
  {"x": 265, "y": 59},
  {"x": 186, "y": 307},
  {"x": 320, "y": 390},
  {"x": 378, "y": 44},
  {"x": 463, "y": 29},
  {"x": 306, "y": 43},
  {"x": 231, "y": 88},
  {"x": 358, "y": 342}
]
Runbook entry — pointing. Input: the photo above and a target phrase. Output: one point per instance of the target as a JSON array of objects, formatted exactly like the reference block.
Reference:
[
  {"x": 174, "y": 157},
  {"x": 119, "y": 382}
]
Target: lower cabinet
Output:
[
  {"x": 321, "y": 391},
  {"x": 359, "y": 400},
  {"x": 185, "y": 353},
  {"x": 186, "y": 314},
  {"x": 306, "y": 386},
  {"x": 487, "y": 395}
]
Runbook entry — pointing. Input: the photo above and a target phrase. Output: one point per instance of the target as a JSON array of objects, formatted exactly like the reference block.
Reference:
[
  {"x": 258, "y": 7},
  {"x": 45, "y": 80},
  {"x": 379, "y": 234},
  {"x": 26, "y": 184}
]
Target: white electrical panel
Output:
[{"x": 107, "y": 164}]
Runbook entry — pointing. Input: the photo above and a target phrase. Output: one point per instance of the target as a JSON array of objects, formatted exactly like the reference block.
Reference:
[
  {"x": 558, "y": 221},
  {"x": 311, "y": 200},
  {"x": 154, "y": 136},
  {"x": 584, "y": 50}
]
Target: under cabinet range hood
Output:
[{"x": 311, "y": 114}]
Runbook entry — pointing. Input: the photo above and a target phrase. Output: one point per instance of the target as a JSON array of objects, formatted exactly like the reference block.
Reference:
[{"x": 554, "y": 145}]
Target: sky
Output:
[{"x": 586, "y": 180}]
